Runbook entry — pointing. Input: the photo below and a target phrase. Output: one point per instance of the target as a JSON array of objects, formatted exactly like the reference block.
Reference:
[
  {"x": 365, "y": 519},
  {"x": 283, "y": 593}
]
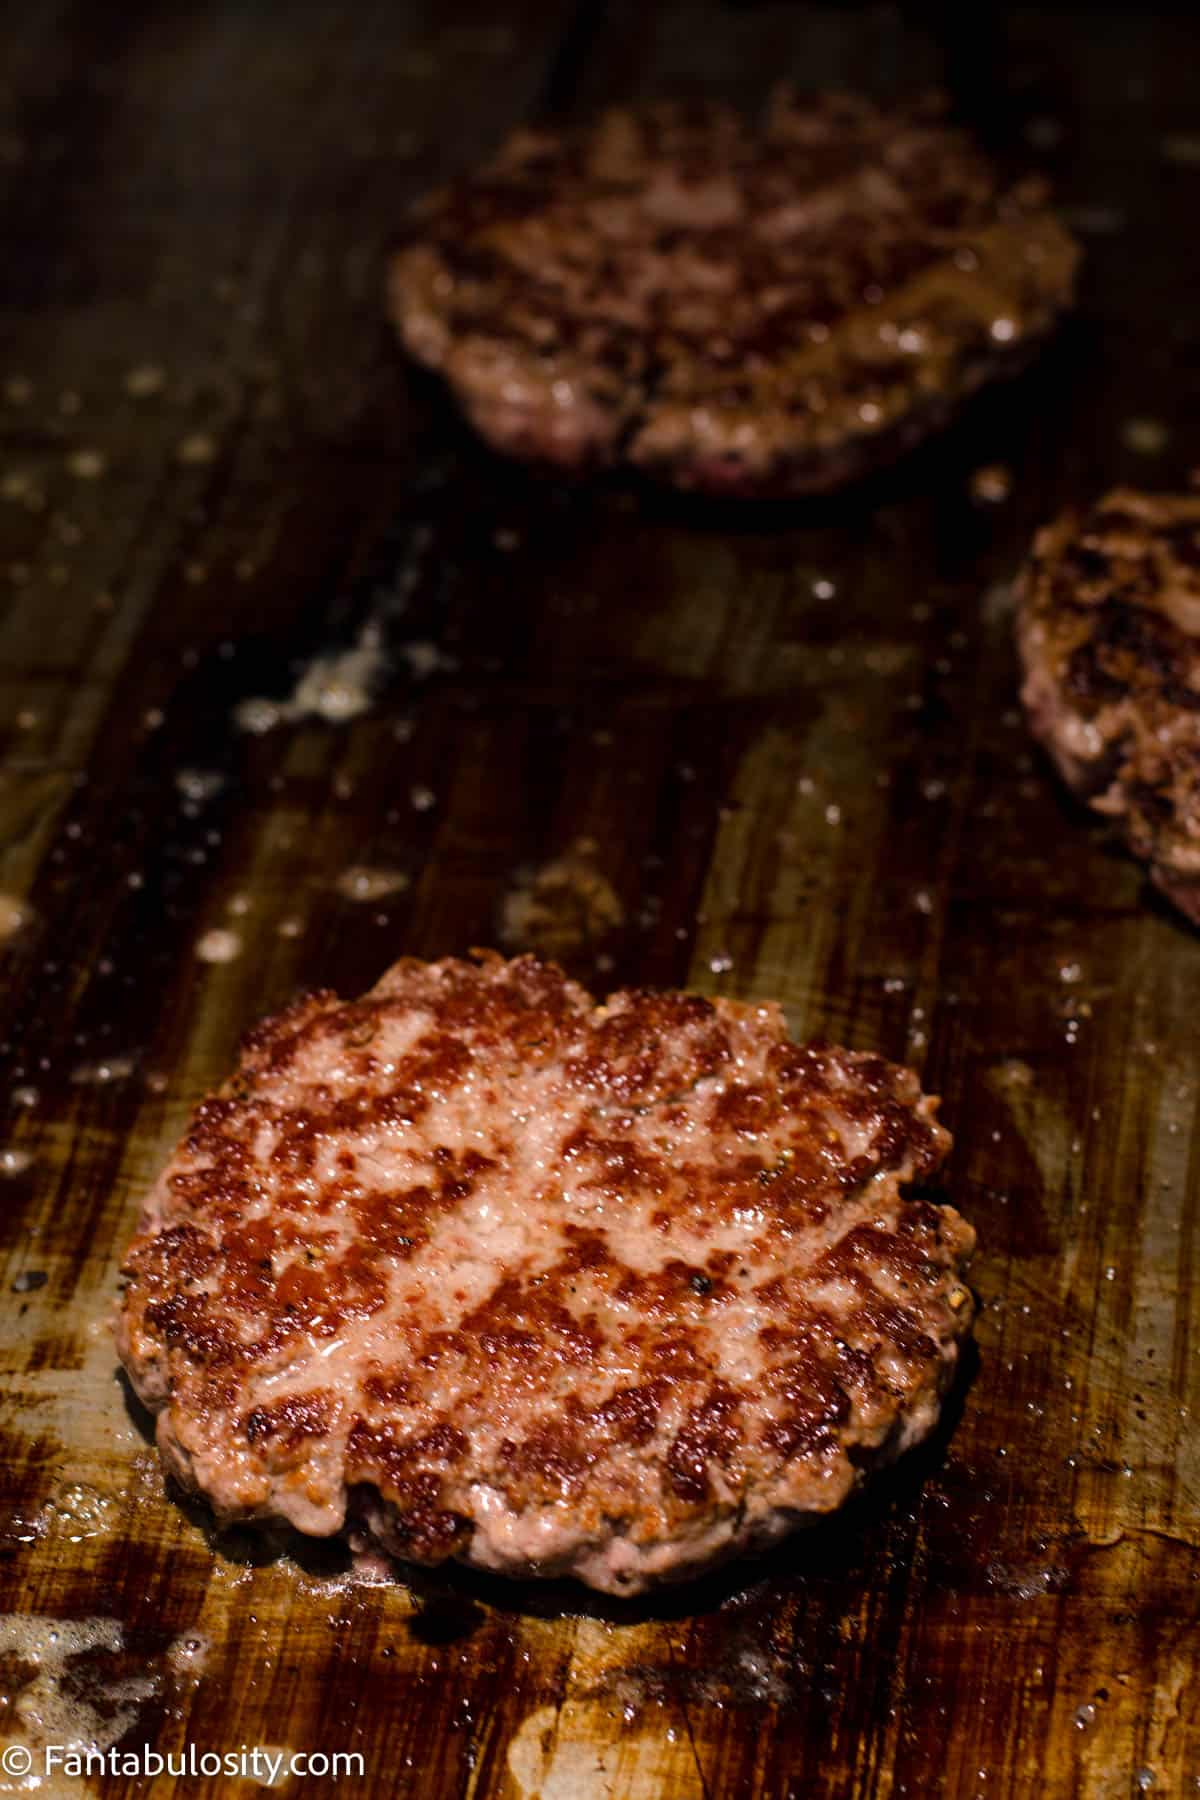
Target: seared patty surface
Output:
[
  {"x": 738, "y": 310},
  {"x": 483, "y": 1270},
  {"x": 1109, "y": 636}
]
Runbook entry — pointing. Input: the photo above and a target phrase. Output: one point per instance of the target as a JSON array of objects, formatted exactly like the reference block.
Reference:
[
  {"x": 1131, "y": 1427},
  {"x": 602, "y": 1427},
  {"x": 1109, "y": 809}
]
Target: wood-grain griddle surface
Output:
[{"x": 779, "y": 753}]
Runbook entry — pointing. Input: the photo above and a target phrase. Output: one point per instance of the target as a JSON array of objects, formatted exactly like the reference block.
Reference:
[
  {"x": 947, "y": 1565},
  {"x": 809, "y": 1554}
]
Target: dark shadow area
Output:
[
  {"x": 1106, "y": 835},
  {"x": 139, "y": 1416}
]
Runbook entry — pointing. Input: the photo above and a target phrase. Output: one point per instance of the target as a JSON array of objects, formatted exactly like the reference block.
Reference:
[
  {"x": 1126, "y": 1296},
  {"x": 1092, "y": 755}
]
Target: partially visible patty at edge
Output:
[
  {"x": 475, "y": 1268},
  {"x": 741, "y": 310},
  {"x": 1108, "y": 628}
]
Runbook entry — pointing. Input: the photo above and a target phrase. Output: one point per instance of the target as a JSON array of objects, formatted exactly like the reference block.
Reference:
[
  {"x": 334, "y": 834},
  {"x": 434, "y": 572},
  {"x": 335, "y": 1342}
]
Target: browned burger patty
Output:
[
  {"x": 486, "y": 1271},
  {"x": 1109, "y": 635},
  {"x": 742, "y": 311}
]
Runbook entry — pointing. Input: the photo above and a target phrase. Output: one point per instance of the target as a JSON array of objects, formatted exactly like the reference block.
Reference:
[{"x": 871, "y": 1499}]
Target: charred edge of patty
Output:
[
  {"x": 855, "y": 457},
  {"x": 788, "y": 473},
  {"x": 1110, "y": 672}
]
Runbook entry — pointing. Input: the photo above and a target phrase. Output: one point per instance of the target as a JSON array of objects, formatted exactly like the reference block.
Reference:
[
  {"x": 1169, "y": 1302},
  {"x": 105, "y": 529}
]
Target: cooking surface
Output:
[{"x": 777, "y": 751}]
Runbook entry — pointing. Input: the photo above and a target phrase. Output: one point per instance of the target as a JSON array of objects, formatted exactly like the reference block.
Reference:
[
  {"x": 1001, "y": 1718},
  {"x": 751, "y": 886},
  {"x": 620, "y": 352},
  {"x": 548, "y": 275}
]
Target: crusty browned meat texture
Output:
[
  {"x": 740, "y": 311},
  {"x": 491, "y": 1272},
  {"x": 1109, "y": 635}
]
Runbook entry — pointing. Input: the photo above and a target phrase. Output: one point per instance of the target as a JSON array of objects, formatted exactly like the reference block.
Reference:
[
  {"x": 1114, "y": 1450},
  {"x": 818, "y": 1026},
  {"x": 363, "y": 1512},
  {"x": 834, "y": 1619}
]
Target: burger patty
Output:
[
  {"x": 1109, "y": 637},
  {"x": 742, "y": 311},
  {"x": 476, "y": 1268}
]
